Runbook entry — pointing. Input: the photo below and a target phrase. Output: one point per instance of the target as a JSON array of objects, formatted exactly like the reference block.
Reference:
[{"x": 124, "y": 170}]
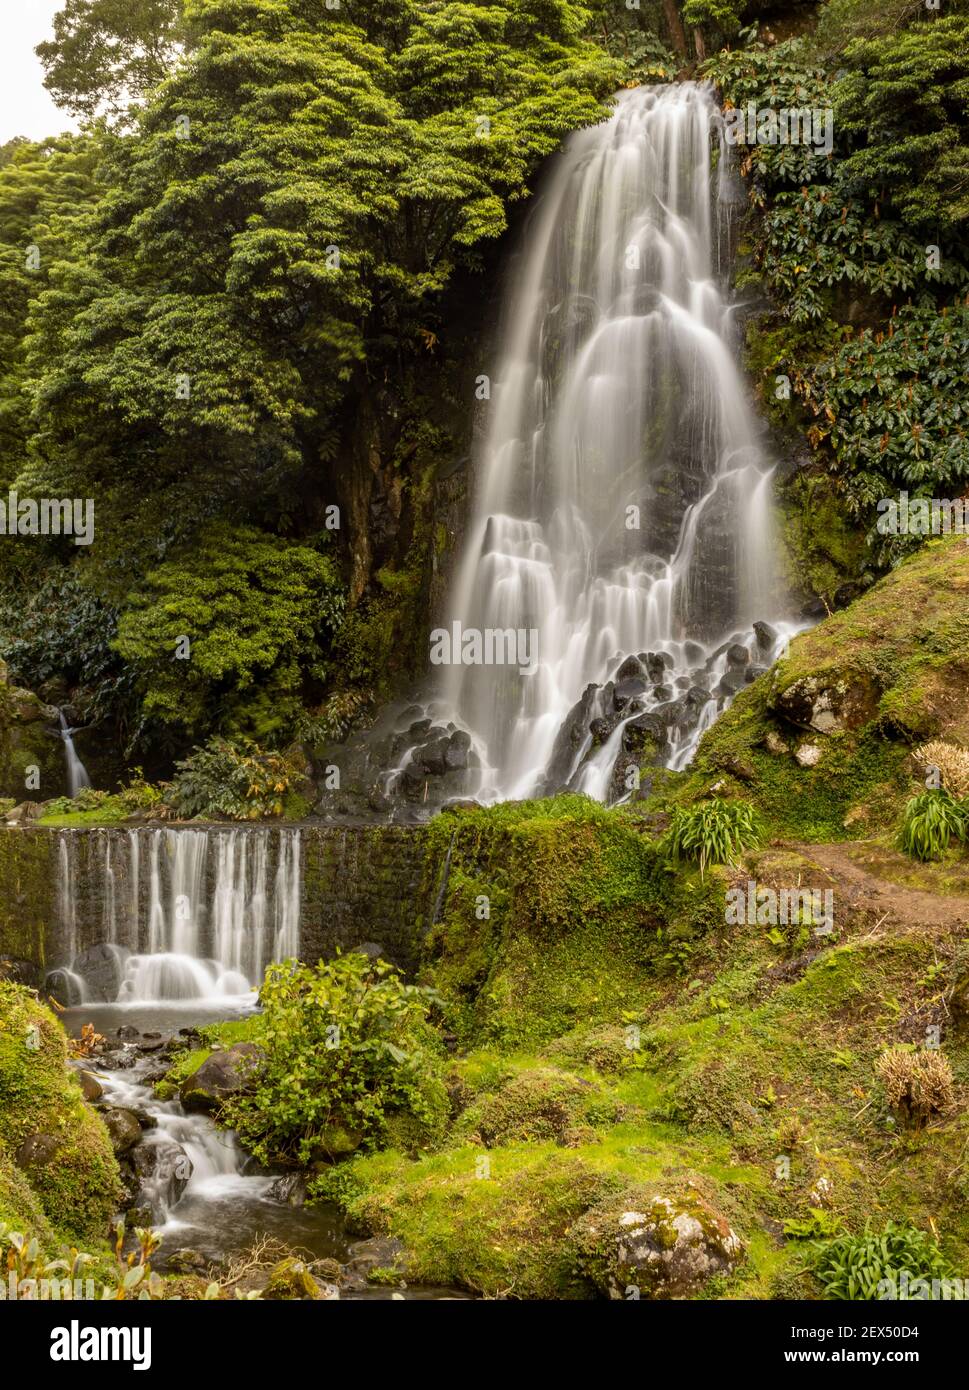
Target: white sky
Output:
[{"x": 26, "y": 107}]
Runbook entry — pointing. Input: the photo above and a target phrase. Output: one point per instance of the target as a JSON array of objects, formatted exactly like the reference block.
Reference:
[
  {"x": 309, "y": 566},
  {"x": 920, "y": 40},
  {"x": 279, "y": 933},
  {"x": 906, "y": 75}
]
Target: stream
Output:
[{"x": 206, "y": 1195}]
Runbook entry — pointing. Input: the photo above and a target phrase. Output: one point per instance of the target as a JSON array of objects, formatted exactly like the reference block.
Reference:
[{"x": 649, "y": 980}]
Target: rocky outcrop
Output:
[
  {"x": 31, "y": 757},
  {"x": 652, "y": 1246},
  {"x": 828, "y": 704}
]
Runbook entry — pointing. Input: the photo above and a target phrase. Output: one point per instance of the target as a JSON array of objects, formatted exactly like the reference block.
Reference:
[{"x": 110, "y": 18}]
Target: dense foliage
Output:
[
  {"x": 862, "y": 247},
  {"x": 899, "y": 1262},
  {"x": 241, "y": 312},
  {"x": 232, "y": 273},
  {"x": 347, "y": 1054}
]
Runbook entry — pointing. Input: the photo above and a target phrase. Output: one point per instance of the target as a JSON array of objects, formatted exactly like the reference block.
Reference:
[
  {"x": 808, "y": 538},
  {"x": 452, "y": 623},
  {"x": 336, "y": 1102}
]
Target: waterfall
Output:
[
  {"x": 187, "y": 913},
  {"x": 77, "y": 776},
  {"x": 622, "y": 511}
]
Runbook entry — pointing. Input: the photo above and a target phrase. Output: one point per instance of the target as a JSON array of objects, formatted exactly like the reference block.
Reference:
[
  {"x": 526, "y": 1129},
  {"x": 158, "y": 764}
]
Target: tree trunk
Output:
[{"x": 675, "y": 26}]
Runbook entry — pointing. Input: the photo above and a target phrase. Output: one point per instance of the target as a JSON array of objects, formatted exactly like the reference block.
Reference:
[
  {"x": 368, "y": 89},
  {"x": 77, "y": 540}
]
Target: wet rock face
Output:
[
  {"x": 100, "y": 968},
  {"x": 163, "y": 1169},
  {"x": 663, "y": 1247},
  {"x": 123, "y": 1127}
]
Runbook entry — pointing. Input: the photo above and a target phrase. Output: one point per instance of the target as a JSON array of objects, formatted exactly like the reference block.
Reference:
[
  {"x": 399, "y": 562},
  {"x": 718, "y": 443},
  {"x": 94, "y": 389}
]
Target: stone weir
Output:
[{"x": 238, "y": 897}]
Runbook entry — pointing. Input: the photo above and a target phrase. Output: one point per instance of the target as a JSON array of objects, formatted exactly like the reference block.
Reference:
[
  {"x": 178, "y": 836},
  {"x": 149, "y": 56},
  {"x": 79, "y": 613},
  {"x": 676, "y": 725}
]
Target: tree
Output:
[
  {"x": 109, "y": 54},
  {"x": 228, "y": 631}
]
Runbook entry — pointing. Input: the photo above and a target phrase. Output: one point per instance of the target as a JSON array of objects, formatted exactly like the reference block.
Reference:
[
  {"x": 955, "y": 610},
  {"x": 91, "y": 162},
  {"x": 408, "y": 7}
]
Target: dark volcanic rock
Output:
[{"x": 221, "y": 1075}]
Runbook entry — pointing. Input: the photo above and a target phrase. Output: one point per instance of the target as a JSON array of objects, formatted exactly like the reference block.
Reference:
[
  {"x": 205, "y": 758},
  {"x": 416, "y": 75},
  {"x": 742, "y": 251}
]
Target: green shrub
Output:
[
  {"x": 930, "y": 822},
  {"x": 713, "y": 832},
  {"x": 348, "y": 1056},
  {"x": 238, "y": 781},
  {"x": 870, "y": 1266}
]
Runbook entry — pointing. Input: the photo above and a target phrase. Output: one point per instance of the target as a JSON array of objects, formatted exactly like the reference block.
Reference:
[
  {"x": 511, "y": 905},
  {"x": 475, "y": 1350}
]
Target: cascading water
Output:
[
  {"x": 186, "y": 914},
  {"x": 77, "y": 774},
  {"x": 623, "y": 508}
]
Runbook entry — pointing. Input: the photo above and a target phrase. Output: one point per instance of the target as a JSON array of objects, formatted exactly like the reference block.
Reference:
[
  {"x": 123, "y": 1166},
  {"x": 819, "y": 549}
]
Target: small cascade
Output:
[
  {"x": 77, "y": 775},
  {"x": 178, "y": 914}
]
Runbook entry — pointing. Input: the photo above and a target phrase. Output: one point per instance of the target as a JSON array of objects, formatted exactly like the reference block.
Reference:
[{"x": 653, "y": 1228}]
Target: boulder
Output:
[
  {"x": 379, "y": 1252},
  {"x": 627, "y": 690},
  {"x": 767, "y": 636},
  {"x": 291, "y": 1278},
  {"x": 63, "y": 986},
  {"x": 290, "y": 1188},
  {"x": 185, "y": 1260},
  {"x": 221, "y": 1075},
  {"x": 662, "y": 1247},
  {"x": 91, "y": 1087},
  {"x": 657, "y": 664},
  {"x": 827, "y": 704},
  {"x": 36, "y": 1151},
  {"x": 457, "y": 754},
  {"x": 100, "y": 969},
  {"x": 164, "y": 1168},
  {"x": 123, "y": 1128},
  {"x": 808, "y": 755},
  {"x": 737, "y": 655}
]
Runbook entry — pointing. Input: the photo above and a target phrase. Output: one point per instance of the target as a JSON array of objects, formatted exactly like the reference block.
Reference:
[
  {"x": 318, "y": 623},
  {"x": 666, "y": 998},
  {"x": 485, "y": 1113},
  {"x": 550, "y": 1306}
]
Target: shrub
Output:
[
  {"x": 918, "y": 1084},
  {"x": 870, "y": 1266},
  {"x": 930, "y": 822},
  {"x": 713, "y": 832},
  {"x": 348, "y": 1054},
  {"x": 239, "y": 781}
]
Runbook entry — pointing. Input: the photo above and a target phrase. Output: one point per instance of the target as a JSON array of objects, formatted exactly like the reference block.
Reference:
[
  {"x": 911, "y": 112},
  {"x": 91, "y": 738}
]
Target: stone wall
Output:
[{"x": 359, "y": 884}]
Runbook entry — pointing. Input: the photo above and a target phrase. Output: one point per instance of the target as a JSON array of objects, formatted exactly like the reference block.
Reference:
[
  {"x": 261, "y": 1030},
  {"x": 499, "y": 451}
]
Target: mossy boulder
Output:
[
  {"x": 59, "y": 1144},
  {"x": 291, "y": 1278},
  {"x": 647, "y": 1245},
  {"x": 222, "y": 1075}
]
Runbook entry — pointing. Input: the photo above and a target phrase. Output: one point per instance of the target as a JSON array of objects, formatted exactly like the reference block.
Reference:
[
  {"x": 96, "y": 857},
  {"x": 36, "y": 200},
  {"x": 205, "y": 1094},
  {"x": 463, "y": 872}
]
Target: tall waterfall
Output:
[
  {"x": 183, "y": 913},
  {"x": 622, "y": 508}
]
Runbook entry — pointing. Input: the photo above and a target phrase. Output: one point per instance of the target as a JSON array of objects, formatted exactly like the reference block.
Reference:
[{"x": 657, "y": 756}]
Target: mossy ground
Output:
[{"x": 74, "y": 1189}]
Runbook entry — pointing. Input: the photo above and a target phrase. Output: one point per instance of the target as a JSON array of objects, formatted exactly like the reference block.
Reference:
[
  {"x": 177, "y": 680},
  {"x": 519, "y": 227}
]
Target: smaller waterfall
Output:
[
  {"x": 187, "y": 914},
  {"x": 77, "y": 775}
]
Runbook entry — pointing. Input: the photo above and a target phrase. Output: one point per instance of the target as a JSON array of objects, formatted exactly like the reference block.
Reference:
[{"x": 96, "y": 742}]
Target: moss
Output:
[
  {"x": 20, "y": 1207},
  {"x": 542, "y": 1104},
  {"x": 74, "y": 1173},
  {"x": 550, "y": 916},
  {"x": 822, "y": 552},
  {"x": 27, "y": 873}
]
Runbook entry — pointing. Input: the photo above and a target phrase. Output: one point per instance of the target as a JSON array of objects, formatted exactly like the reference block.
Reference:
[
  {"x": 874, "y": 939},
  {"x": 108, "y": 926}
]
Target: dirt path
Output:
[{"x": 883, "y": 896}]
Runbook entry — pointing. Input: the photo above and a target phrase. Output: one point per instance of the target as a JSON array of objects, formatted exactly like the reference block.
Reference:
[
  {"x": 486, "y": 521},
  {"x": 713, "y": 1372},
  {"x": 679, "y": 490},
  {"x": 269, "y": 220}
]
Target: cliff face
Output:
[{"x": 31, "y": 758}]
